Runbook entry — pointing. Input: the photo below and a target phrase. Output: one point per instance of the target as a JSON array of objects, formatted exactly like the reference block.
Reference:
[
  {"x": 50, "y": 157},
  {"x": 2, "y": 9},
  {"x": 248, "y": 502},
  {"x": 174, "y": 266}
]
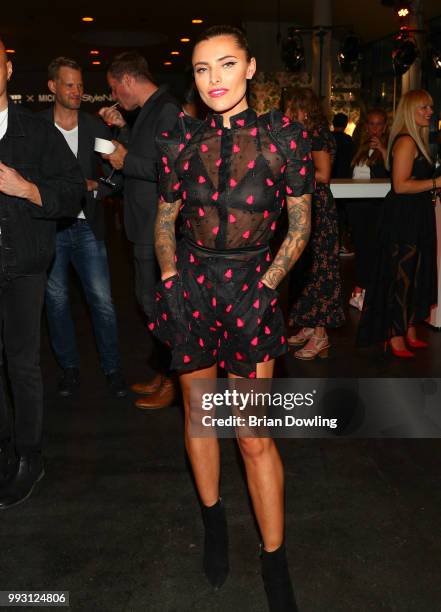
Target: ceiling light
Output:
[
  {"x": 94, "y": 52},
  {"x": 88, "y": 19},
  {"x": 167, "y": 63},
  {"x": 174, "y": 53},
  {"x": 185, "y": 40},
  {"x": 402, "y": 9},
  {"x": 10, "y": 51},
  {"x": 197, "y": 21},
  {"x": 96, "y": 63}
]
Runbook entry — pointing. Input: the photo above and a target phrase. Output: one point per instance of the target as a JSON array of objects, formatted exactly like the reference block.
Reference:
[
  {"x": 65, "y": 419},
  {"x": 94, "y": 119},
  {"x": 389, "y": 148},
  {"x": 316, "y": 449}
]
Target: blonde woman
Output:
[{"x": 402, "y": 288}]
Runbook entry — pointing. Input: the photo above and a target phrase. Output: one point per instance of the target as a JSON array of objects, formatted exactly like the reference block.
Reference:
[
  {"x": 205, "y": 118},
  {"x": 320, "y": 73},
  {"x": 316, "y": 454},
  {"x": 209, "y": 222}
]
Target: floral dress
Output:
[{"x": 316, "y": 284}]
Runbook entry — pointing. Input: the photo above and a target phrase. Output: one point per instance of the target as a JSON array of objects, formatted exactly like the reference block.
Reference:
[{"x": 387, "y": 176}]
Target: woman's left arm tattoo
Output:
[{"x": 299, "y": 228}]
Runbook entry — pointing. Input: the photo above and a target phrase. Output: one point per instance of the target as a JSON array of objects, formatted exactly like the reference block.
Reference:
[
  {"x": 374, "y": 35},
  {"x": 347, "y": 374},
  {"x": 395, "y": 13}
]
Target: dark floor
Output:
[{"x": 116, "y": 522}]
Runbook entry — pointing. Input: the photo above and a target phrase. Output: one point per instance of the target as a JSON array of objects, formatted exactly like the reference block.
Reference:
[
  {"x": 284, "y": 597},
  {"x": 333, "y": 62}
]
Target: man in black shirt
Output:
[
  {"x": 133, "y": 88},
  {"x": 342, "y": 169}
]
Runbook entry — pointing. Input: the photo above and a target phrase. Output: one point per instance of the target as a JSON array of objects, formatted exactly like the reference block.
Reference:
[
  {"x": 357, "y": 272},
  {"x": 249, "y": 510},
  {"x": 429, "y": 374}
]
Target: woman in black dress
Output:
[
  {"x": 227, "y": 179},
  {"x": 369, "y": 163},
  {"x": 317, "y": 302},
  {"x": 403, "y": 287}
]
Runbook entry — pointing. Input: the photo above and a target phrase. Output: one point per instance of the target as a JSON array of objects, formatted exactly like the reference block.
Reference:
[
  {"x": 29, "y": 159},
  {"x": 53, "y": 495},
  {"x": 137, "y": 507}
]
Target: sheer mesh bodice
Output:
[{"x": 233, "y": 181}]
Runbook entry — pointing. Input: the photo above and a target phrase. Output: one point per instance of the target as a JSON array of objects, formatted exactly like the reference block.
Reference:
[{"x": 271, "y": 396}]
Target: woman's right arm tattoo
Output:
[{"x": 165, "y": 236}]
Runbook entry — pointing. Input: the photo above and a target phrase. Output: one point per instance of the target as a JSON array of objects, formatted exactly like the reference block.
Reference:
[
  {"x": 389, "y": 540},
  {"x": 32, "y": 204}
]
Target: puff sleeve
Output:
[
  {"x": 323, "y": 140},
  {"x": 170, "y": 145},
  {"x": 294, "y": 141}
]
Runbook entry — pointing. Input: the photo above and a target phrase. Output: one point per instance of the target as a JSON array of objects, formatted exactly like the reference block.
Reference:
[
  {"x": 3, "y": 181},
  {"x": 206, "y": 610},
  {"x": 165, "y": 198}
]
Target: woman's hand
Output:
[
  {"x": 169, "y": 274},
  {"x": 375, "y": 143}
]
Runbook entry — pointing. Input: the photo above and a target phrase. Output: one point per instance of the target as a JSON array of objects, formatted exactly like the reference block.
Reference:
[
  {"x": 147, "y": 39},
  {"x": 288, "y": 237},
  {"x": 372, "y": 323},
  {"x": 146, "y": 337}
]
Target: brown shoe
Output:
[
  {"x": 149, "y": 387},
  {"x": 162, "y": 398}
]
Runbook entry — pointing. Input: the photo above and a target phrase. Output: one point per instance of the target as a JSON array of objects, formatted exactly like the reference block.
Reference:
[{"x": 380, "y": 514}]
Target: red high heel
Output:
[
  {"x": 402, "y": 354},
  {"x": 416, "y": 344}
]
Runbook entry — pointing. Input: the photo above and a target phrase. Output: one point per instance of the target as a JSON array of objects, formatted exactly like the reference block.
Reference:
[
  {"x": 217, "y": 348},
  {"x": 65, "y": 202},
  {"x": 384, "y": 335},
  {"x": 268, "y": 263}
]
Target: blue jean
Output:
[{"x": 78, "y": 246}]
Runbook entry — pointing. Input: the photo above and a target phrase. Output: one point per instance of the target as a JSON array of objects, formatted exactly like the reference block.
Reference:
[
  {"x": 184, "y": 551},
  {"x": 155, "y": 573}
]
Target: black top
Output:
[
  {"x": 158, "y": 114},
  {"x": 341, "y": 167},
  {"x": 322, "y": 139},
  {"x": 233, "y": 181}
]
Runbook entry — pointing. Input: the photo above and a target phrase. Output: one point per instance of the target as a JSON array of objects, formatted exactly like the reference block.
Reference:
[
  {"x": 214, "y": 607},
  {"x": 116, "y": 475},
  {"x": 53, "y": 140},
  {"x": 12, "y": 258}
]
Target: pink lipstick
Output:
[{"x": 217, "y": 93}]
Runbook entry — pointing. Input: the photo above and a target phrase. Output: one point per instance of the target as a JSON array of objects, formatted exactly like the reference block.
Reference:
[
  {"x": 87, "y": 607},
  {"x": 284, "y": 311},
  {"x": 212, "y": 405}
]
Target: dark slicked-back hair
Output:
[
  {"x": 61, "y": 62},
  {"x": 227, "y": 30},
  {"x": 132, "y": 63},
  {"x": 340, "y": 120}
]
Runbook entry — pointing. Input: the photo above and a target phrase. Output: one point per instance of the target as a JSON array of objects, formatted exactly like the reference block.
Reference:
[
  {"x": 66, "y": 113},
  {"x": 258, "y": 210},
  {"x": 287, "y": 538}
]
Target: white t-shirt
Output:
[
  {"x": 362, "y": 171},
  {"x": 3, "y": 122},
  {"x": 71, "y": 137}
]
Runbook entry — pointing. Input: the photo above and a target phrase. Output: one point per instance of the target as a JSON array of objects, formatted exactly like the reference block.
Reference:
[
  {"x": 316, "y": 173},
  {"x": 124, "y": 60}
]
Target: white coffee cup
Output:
[{"x": 104, "y": 146}]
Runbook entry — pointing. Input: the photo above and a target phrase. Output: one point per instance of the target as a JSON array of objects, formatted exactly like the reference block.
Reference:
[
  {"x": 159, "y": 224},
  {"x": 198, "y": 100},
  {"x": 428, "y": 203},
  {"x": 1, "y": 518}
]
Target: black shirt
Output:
[{"x": 341, "y": 168}]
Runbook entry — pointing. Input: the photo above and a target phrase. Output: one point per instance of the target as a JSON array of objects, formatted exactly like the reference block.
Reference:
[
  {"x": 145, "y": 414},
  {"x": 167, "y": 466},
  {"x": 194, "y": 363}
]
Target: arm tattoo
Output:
[
  {"x": 299, "y": 227},
  {"x": 165, "y": 236}
]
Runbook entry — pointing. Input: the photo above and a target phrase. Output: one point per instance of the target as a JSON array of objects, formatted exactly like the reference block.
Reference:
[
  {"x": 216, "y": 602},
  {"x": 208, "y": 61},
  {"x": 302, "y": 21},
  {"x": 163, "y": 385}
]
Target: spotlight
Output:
[
  {"x": 404, "y": 56},
  {"x": 293, "y": 52},
  {"x": 402, "y": 9},
  {"x": 349, "y": 54}
]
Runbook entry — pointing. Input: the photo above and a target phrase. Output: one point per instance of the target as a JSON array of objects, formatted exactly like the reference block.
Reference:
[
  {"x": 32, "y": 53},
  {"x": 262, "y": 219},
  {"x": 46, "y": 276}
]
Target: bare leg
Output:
[
  {"x": 411, "y": 332},
  {"x": 205, "y": 462},
  {"x": 203, "y": 452},
  {"x": 320, "y": 332},
  {"x": 397, "y": 342},
  {"x": 317, "y": 345},
  {"x": 265, "y": 478}
]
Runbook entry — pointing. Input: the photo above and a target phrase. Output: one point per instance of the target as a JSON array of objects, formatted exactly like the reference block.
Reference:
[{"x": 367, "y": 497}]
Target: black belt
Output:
[{"x": 253, "y": 250}]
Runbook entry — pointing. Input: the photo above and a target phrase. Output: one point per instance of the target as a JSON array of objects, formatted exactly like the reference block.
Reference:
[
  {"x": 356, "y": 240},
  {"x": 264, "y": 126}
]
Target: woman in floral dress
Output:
[{"x": 317, "y": 301}]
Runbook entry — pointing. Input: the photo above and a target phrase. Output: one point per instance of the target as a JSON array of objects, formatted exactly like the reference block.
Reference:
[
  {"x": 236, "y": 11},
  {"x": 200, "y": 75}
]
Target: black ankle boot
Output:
[
  {"x": 30, "y": 470},
  {"x": 277, "y": 581},
  {"x": 216, "y": 544}
]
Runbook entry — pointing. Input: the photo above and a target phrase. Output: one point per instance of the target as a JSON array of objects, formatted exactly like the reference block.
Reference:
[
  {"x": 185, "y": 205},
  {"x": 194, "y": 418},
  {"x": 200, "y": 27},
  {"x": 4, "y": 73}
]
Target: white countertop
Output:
[{"x": 360, "y": 188}]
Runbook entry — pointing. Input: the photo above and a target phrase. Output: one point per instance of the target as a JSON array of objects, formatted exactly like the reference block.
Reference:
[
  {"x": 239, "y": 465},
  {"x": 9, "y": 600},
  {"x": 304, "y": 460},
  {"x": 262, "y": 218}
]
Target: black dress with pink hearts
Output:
[{"x": 232, "y": 184}]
